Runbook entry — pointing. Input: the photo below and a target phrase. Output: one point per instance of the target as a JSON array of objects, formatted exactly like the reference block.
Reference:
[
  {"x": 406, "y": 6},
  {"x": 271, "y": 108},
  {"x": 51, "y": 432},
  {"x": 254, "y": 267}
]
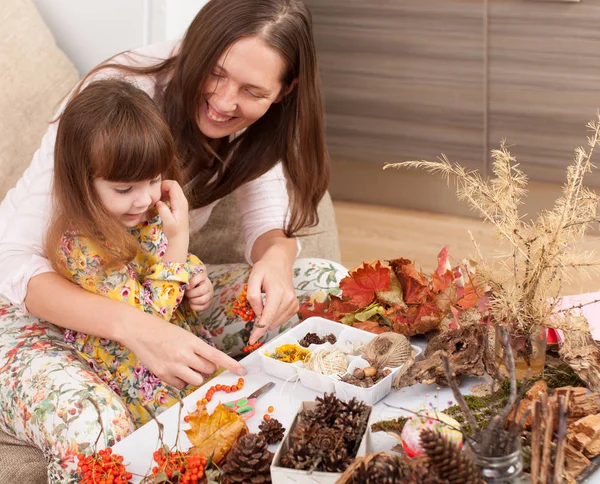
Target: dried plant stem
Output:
[
  {"x": 536, "y": 441},
  {"x": 462, "y": 403},
  {"x": 97, "y": 407},
  {"x": 547, "y": 446},
  {"x": 561, "y": 437}
]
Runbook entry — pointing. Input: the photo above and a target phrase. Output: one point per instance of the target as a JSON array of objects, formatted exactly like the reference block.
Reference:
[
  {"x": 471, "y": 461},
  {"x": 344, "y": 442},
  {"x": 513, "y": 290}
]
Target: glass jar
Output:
[
  {"x": 500, "y": 470},
  {"x": 529, "y": 352}
]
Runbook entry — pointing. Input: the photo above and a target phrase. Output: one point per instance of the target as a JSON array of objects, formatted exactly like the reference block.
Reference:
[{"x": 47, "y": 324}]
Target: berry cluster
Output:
[
  {"x": 242, "y": 307},
  {"x": 220, "y": 388},
  {"x": 102, "y": 467},
  {"x": 178, "y": 467},
  {"x": 251, "y": 348}
]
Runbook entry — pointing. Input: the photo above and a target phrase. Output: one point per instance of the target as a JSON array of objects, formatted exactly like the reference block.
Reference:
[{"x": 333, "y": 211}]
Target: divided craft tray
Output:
[{"x": 347, "y": 337}]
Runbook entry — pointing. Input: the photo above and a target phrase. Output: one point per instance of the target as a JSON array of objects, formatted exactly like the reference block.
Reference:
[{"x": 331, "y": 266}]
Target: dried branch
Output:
[{"x": 458, "y": 396}]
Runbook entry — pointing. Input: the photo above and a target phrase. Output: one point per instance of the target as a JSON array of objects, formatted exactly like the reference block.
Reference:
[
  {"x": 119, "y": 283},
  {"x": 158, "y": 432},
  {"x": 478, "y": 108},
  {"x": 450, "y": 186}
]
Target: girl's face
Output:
[
  {"x": 242, "y": 86},
  {"x": 128, "y": 202}
]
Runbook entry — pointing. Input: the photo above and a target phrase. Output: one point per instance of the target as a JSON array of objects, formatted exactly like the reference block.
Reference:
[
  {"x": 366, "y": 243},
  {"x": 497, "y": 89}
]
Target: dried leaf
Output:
[
  {"x": 414, "y": 283},
  {"x": 360, "y": 286},
  {"x": 214, "y": 434},
  {"x": 371, "y": 327},
  {"x": 443, "y": 275}
]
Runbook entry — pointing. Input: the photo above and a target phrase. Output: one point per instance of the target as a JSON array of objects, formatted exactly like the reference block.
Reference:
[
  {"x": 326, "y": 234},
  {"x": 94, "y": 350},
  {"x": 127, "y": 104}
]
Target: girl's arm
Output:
[
  {"x": 170, "y": 352},
  {"x": 163, "y": 285}
]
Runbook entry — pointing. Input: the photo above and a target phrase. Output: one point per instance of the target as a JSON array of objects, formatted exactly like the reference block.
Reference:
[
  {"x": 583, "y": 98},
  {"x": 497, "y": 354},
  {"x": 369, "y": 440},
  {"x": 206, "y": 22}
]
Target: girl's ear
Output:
[{"x": 285, "y": 92}]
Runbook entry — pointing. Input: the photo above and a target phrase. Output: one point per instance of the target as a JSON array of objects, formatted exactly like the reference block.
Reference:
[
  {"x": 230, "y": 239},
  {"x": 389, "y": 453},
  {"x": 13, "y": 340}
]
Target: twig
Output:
[
  {"x": 561, "y": 437},
  {"x": 460, "y": 399},
  {"x": 535, "y": 441},
  {"x": 549, "y": 422},
  {"x": 97, "y": 407},
  {"x": 578, "y": 306}
]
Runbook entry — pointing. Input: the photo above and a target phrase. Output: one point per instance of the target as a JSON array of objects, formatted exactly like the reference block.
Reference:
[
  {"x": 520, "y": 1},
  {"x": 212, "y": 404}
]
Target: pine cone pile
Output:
[
  {"x": 327, "y": 438},
  {"x": 248, "y": 462},
  {"x": 383, "y": 468},
  {"x": 448, "y": 460},
  {"x": 271, "y": 430}
]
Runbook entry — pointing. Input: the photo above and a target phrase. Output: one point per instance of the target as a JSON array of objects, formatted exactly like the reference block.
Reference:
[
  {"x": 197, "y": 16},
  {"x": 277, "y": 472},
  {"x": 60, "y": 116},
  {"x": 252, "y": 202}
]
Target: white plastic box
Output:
[
  {"x": 327, "y": 383},
  {"x": 283, "y": 475}
]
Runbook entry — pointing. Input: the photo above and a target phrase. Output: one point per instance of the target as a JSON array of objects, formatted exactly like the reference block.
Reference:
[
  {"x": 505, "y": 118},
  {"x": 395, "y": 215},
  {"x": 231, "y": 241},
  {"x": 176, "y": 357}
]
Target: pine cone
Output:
[
  {"x": 310, "y": 339},
  {"x": 383, "y": 468},
  {"x": 248, "y": 461},
  {"x": 327, "y": 409},
  {"x": 271, "y": 430},
  {"x": 448, "y": 460}
]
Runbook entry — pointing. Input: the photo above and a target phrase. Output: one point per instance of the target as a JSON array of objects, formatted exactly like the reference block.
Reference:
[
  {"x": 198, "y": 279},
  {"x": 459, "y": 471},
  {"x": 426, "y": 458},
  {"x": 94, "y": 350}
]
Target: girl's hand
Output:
[
  {"x": 199, "y": 292},
  {"x": 273, "y": 276},
  {"x": 175, "y": 219},
  {"x": 173, "y": 354}
]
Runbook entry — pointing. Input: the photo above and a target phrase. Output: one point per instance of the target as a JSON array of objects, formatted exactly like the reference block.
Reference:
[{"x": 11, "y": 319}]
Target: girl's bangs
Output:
[{"x": 132, "y": 154}]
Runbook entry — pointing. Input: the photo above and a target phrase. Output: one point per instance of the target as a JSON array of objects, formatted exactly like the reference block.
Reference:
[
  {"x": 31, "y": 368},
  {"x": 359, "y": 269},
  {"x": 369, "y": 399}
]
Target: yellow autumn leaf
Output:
[{"x": 214, "y": 434}]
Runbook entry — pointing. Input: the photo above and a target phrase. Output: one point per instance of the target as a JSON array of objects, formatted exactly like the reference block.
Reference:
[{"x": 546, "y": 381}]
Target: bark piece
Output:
[
  {"x": 582, "y": 354},
  {"x": 585, "y": 435},
  {"x": 464, "y": 348}
]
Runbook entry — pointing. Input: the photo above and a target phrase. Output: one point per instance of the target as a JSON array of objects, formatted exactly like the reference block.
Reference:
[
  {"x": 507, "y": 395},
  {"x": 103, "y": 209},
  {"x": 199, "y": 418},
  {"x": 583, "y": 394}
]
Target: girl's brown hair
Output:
[
  {"x": 291, "y": 131},
  {"x": 111, "y": 130}
]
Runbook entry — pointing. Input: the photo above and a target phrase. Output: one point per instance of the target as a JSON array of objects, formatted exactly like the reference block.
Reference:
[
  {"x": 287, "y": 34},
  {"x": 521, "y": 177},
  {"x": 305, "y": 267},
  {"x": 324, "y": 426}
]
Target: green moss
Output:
[
  {"x": 394, "y": 425},
  {"x": 561, "y": 375}
]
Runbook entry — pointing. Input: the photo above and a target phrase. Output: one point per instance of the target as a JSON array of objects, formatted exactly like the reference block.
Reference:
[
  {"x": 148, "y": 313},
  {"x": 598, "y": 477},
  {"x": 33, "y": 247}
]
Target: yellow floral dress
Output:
[{"x": 148, "y": 283}]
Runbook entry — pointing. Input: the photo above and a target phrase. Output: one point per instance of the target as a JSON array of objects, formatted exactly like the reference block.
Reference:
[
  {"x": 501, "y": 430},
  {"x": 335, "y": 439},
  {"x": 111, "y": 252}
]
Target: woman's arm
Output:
[
  {"x": 170, "y": 352},
  {"x": 273, "y": 255}
]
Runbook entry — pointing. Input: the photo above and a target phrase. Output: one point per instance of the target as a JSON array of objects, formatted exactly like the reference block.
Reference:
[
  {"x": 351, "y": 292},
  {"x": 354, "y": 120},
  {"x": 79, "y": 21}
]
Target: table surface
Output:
[{"x": 285, "y": 397}]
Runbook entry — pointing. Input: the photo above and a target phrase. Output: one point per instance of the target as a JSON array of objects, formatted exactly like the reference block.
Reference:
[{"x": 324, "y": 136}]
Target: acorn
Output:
[
  {"x": 359, "y": 374},
  {"x": 370, "y": 371}
]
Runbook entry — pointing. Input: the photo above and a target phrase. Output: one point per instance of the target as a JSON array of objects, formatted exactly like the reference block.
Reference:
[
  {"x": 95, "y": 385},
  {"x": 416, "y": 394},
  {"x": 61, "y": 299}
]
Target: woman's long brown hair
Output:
[
  {"x": 291, "y": 131},
  {"x": 111, "y": 130}
]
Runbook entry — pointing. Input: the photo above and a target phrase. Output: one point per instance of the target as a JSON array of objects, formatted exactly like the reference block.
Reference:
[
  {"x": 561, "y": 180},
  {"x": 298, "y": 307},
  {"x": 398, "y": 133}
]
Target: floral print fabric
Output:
[
  {"x": 148, "y": 283},
  {"x": 47, "y": 388}
]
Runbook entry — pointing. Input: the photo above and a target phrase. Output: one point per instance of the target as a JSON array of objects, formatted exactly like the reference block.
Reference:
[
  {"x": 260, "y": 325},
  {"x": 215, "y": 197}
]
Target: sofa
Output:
[{"x": 34, "y": 76}]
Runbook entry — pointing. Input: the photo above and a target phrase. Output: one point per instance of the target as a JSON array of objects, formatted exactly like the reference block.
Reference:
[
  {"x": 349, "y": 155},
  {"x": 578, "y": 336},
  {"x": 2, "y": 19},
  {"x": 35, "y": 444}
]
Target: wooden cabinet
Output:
[
  {"x": 401, "y": 79},
  {"x": 543, "y": 81},
  {"x": 412, "y": 79}
]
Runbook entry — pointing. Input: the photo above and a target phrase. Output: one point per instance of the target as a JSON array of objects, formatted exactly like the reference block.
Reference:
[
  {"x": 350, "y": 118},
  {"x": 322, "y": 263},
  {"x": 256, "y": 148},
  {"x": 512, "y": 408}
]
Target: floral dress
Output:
[{"x": 148, "y": 283}]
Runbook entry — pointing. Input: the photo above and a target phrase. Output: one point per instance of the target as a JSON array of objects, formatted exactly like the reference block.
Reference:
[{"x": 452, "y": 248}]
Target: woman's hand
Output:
[
  {"x": 272, "y": 275},
  {"x": 199, "y": 292},
  {"x": 175, "y": 221}
]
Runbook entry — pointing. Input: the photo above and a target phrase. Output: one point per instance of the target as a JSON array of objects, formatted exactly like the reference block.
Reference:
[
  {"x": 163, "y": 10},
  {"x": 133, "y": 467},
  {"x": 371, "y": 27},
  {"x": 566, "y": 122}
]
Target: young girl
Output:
[{"x": 113, "y": 234}]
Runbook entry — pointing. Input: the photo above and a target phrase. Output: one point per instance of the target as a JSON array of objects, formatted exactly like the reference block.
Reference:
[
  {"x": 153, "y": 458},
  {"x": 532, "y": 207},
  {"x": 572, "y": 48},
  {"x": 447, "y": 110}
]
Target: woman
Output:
[{"x": 240, "y": 94}]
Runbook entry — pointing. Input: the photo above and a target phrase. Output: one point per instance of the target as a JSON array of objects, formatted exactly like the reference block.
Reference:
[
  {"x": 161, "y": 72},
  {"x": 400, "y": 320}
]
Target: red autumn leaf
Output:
[
  {"x": 415, "y": 286},
  {"x": 319, "y": 309},
  {"x": 359, "y": 286},
  {"x": 443, "y": 275},
  {"x": 469, "y": 295},
  {"x": 338, "y": 308},
  {"x": 371, "y": 327}
]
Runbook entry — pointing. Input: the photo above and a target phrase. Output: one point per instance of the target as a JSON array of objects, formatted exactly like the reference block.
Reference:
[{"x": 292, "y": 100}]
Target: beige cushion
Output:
[
  {"x": 34, "y": 76},
  {"x": 220, "y": 241},
  {"x": 20, "y": 462}
]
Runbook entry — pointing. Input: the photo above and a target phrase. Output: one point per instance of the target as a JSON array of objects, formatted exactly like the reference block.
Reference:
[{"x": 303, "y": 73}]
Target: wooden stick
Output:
[
  {"x": 535, "y": 441},
  {"x": 549, "y": 422},
  {"x": 460, "y": 399},
  {"x": 561, "y": 437}
]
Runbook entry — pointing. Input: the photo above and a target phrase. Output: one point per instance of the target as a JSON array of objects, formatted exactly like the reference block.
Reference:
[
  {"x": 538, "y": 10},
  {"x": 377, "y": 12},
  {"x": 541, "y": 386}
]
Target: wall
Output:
[{"x": 90, "y": 32}]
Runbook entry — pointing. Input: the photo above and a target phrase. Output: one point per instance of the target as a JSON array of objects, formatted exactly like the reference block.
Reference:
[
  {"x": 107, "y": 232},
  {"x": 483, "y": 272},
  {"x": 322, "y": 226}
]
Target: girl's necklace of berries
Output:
[
  {"x": 177, "y": 467},
  {"x": 219, "y": 388}
]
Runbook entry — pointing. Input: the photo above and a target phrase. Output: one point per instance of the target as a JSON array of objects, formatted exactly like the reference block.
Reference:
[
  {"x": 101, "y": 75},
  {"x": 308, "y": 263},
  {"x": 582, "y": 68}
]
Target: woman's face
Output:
[{"x": 241, "y": 87}]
